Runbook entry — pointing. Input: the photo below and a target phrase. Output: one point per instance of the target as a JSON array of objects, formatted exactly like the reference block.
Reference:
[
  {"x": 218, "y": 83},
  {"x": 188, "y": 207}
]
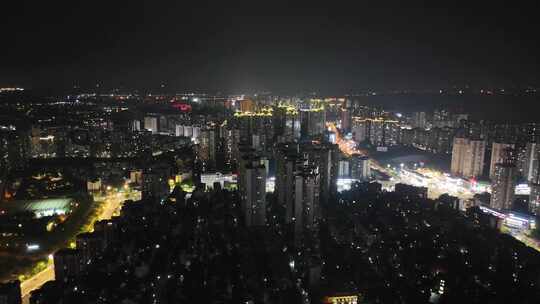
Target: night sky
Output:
[{"x": 233, "y": 46}]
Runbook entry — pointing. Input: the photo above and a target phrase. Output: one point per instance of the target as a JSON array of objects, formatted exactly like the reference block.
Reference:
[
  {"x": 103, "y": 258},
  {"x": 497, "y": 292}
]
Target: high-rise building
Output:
[
  {"x": 497, "y": 154},
  {"x": 534, "y": 185},
  {"x": 474, "y": 158},
  {"x": 459, "y": 149},
  {"x": 325, "y": 157},
  {"x": 344, "y": 166},
  {"x": 231, "y": 144},
  {"x": 468, "y": 157},
  {"x": 345, "y": 120},
  {"x": 406, "y": 137},
  {"x": 534, "y": 198},
  {"x": 10, "y": 292},
  {"x": 360, "y": 130},
  {"x": 441, "y": 119},
  {"x": 247, "y": 105},
  {"x": 440, "y": 140},
  {"x": 151, "y": 124},
  {"x": 66, "y": 264},
  {"x": 287, "y": 160},
  {"x": 206, "y": 151},
  {"x": 312, "y": 122},
  {"x": 419, "y": 120},
  {"x": 135, "y": 125},
  {"x": 286, "y": 123},
  {"x": 504, "y": 182},
  {"x": 306, "y": 200},
  {"x": 360, "y": 167},
  {"x": 252, "y": 188},
  {"x": 155, "y": 181},
  {"x": 529, "y": 161},
  {"x": 90, "y": 245}
]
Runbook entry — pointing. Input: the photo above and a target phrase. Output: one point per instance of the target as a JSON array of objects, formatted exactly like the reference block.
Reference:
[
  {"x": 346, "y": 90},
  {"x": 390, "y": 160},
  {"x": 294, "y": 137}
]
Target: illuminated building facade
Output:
[
  {"x": 497, "y": 154},
  {"x": 379, "y": 132},
  {"x": 360, "y": 167},
  {"x": 504, "y": 182},
  {"x": 151, "y": 124},
  {"x": 206, "y": 150},
  {"x": 341, "y": 299},
  {"x": 534, "y": 185},
  {"x": 419, "y": 120},
  {"x": 467, "y": 157}
]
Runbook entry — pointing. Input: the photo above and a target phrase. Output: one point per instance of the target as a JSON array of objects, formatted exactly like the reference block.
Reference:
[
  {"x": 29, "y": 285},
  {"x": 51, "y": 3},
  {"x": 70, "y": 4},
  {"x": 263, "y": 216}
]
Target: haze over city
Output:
[{"x": 246, "y": 152}]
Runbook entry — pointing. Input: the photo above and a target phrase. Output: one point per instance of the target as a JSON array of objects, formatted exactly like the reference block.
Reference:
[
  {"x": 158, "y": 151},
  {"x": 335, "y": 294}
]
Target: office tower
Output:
[
  {"x": 419, "y": 120},
  {"x": 306, "y": 200},
  {"x": 497, "y": 154},
  {"x": 10, "y": 292},
  {"x": 253, "y": 195},
  {"x": 504, "y": 182},
  {"x": 360, "y": 167},
  {"x": 66, "y": 264},
  {"x": 151, "y": 124},
  {"x": 468, "y": 157}
]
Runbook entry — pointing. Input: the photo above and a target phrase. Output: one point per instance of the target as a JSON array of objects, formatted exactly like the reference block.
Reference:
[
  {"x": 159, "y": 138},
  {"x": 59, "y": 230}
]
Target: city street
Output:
[{"x": 113, "y": 203}]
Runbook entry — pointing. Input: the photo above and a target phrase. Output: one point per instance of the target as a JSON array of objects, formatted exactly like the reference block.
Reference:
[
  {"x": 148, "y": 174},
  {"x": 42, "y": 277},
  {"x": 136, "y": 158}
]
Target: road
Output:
[
  {"x": 437, "y": 182},
  {"x": 113, "y": 203}
]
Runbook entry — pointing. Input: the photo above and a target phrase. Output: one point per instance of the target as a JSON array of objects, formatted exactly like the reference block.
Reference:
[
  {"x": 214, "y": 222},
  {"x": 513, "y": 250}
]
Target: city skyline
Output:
[{"x": 276, "y": 153}]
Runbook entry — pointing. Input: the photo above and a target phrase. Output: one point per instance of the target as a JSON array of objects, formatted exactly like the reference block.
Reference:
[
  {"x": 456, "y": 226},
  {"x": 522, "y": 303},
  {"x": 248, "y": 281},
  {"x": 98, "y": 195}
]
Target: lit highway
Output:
[{"x": 113, "y": 203}]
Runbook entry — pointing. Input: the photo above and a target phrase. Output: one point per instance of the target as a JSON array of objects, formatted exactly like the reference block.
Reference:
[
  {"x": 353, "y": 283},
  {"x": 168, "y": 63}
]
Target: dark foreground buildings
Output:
[{"x": 371, "y": 247}]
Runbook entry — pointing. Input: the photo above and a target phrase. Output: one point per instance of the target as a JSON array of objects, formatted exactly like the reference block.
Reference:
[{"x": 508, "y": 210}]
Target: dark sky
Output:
[{"x": 264, "y": 45}]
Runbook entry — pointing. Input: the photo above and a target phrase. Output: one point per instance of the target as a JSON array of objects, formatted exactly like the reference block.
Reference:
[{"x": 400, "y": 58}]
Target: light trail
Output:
[{"x": 113, "y": 203}]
